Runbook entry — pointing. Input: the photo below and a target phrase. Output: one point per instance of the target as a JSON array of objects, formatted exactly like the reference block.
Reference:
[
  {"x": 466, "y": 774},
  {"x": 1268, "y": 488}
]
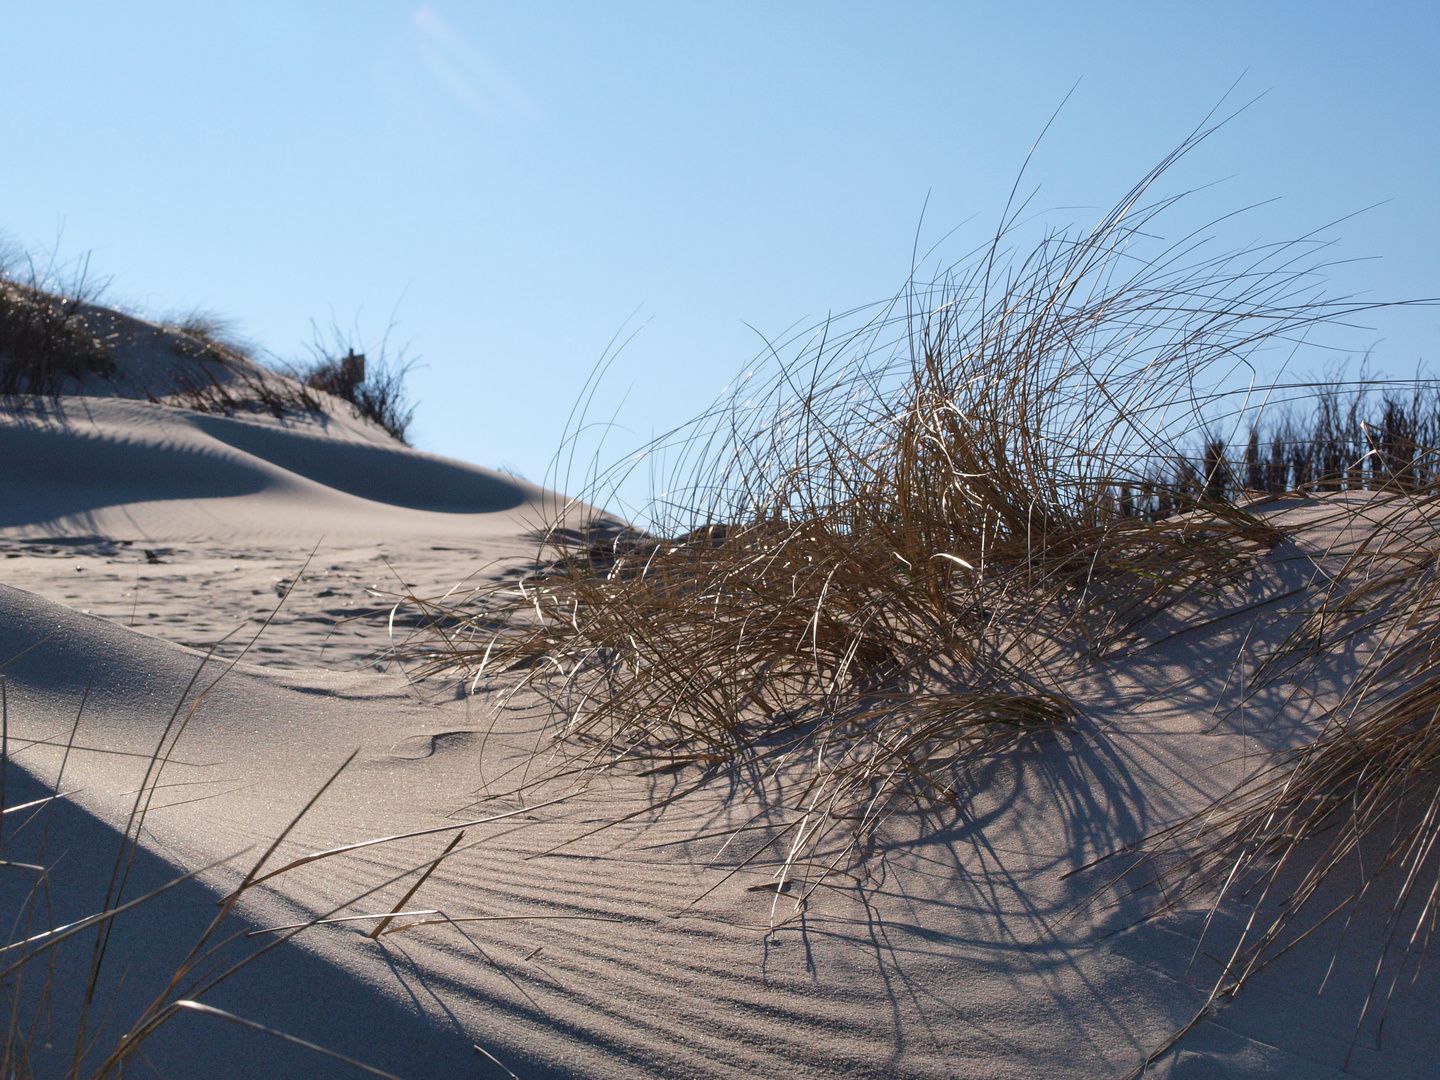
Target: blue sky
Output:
[{"x": 512, "y": 182}]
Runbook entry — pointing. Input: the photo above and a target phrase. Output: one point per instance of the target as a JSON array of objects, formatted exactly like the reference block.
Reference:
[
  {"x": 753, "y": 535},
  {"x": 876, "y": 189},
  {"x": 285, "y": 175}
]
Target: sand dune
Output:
[
  {"x": 959, "y": 953},
  {"x": 136, "y": 470}
]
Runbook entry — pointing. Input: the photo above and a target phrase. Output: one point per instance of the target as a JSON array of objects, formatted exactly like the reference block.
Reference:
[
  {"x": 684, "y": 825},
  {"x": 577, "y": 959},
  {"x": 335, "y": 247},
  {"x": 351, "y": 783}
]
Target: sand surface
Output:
[{"x": 134, "y": 536}]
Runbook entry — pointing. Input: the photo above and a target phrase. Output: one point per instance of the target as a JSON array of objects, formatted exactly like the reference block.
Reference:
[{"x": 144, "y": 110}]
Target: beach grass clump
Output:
[
  {"x": 45, "y": 340},
  {"x": 890, "y": 553},
  {"x": 374, "y": 386}
]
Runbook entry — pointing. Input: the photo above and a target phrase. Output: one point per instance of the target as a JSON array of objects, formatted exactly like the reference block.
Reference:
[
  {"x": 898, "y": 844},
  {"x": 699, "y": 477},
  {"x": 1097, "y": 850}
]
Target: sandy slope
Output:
[
  {"x": 952, "y": 952},
  {"x": 188, "y": 524}
]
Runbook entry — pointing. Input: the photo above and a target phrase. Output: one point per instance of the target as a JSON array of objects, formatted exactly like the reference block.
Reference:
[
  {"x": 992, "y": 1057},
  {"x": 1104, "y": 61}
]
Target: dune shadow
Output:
[
  {"x": 53, "y": 472},
  {"x": 395, "y": 475}
]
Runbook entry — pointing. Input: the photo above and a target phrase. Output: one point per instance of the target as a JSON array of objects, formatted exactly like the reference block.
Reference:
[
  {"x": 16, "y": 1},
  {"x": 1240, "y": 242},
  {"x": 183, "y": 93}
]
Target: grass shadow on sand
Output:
[{"x": 400, "y": 1028}]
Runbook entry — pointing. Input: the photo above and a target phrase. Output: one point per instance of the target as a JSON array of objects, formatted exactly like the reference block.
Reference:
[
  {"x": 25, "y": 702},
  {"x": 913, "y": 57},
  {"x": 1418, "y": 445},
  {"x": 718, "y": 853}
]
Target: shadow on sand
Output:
[
  {"x": 394, "y": 1028},
  {"x": 395, "y": 475}
]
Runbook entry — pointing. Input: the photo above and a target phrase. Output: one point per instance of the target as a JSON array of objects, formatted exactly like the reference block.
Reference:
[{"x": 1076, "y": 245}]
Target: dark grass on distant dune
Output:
[
  {"x": 45, "y": 342},
  {"x": 1326, "y": 435}
]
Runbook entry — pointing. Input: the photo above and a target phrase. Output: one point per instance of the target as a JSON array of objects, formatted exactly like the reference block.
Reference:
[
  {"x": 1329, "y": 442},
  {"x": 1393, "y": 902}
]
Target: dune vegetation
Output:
[
  {"x": 231, "y": 380},
  {"x": 888, "y": 556},
  {"x": 374, "y": 386},
  {"x": 54, "y": 339},
  {"x": 44, "y": 339}
]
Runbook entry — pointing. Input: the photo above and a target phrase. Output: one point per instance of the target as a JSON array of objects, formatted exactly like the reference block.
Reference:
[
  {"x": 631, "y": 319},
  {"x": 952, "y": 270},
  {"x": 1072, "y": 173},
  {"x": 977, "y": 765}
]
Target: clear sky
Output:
[{"x": 512, "y": 182}]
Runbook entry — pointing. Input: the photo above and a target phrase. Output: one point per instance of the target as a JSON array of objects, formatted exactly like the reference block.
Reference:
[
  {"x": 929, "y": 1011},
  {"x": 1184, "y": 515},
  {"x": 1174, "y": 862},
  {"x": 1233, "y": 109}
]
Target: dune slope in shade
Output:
[
  {"x": 120, "y": 468},
  {"x": 390, "y": 474}
]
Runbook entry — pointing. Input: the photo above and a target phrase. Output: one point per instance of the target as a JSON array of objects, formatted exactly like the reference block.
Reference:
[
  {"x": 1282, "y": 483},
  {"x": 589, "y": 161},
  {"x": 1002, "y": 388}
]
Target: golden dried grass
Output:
[{"x": 889, "y": 556}]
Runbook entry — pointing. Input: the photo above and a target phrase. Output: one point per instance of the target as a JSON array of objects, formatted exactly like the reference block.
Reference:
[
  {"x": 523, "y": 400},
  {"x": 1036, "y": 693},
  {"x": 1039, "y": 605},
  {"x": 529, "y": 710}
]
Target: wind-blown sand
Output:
[{"x": 133, "y": 535}]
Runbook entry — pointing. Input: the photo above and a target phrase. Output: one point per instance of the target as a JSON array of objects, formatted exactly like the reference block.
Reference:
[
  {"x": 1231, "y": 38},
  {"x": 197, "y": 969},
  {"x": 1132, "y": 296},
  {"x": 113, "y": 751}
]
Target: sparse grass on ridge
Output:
[
  {"x": 227, "y": 379},
  {"x": 373, "y": 387},
  {"x": 1328, "y": 435},
  {"x": 49, "y": 345}
]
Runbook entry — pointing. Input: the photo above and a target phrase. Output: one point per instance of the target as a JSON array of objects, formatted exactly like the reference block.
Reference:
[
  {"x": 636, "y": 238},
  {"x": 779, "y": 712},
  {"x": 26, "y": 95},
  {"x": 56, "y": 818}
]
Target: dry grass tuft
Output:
[
  {"x": 374, "y": 386},
  {"x": 889, "y": 557},
  {"x": 45, "y": 341}
]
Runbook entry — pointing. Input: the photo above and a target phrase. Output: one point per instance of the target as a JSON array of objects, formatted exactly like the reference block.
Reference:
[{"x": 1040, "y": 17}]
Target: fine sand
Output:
[{"x": 134, "y": 536}]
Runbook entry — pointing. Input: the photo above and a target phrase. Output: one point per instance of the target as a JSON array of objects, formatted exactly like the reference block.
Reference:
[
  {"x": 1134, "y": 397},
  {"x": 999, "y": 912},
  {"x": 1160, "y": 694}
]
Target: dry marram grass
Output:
[{"x": 891, "y": 556}]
